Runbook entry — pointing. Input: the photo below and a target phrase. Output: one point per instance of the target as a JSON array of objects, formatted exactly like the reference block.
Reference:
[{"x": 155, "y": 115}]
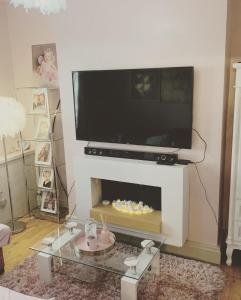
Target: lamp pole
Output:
[{"x": 15, "y": 226}]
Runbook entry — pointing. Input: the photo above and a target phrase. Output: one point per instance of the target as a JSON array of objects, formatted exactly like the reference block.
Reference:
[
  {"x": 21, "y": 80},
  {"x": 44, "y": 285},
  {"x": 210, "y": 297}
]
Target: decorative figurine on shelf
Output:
[
  {"x": 71, "y": 226},
  {"x": 91, "y": 235},
  {"x": 131, "y": 262},
  {"x": 147, "y": 244},
  {"x": 48, "y": 241},
  {"x": 131, "y": 207}
]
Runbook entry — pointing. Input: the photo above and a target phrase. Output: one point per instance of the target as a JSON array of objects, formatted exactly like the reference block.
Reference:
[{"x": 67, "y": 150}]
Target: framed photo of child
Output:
[
  {"x": 40, "y": 101},
  {"x": 48, "y": 202},
  {"x": 43, "y": 128},
  {"x": 45, "y": 67},
  {"x": 46, "y": 178},
  {"x": 43, "y": 153}
]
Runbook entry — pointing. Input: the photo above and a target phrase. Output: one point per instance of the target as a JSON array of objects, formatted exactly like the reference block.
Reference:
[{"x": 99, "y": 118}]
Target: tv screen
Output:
[{"x": 138, "y": 106}]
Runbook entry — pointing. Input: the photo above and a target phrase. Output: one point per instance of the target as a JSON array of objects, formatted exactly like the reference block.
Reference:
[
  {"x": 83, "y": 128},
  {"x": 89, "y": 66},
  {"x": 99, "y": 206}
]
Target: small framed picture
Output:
[
  {"x": 43, "y": 153},
  {"x": 43, "y": 128},
  {"x": 46, "y": 178},
  {"x": 40, "y": 101},
  {"x": 48, "y": 202},
  {"x": 44, "y": 62}
]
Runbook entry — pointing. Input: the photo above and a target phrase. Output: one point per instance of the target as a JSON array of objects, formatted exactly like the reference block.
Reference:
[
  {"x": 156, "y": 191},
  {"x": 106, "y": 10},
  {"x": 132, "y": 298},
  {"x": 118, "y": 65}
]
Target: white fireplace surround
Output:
[{"x": 173, "y": 180}]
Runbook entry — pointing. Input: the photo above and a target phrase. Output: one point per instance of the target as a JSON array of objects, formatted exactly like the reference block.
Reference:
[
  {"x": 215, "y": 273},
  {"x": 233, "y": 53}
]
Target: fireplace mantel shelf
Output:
[{"x": 173, "y": 181}]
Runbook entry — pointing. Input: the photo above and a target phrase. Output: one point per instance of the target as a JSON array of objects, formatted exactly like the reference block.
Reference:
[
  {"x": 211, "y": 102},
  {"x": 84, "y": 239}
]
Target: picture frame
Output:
[
  {"x": 40, "y": 101},
  {"x": 43, "y": 153},
  {"x": 44, "y": 65},
  {"x": 43, "y": 128},
  {"x": 49, "y": 202},
  {"x": 46, "y": 178}
]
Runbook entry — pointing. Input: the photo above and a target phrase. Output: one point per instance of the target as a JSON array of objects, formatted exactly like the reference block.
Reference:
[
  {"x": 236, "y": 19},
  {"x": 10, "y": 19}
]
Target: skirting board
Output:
[{"x": 196, "y": 250}]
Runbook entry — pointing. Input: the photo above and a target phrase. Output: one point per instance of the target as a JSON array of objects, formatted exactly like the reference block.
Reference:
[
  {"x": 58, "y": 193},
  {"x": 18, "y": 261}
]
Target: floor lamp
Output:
[{"x": 12, "y": 121}]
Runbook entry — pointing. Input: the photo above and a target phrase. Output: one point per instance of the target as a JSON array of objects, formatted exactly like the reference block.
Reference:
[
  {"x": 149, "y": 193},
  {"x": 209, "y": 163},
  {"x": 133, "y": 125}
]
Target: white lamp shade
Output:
[{"x": 12, "y": 117}]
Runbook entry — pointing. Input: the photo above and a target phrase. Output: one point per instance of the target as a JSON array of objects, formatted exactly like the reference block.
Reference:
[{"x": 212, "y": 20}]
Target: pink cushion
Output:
[
  {"x": 6, "y": 294},
  {"x": 5, "y": 235}
]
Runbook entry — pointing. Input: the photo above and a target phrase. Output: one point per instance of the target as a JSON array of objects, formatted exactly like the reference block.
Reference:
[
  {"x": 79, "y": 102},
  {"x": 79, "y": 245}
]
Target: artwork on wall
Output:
[
  {"x": 46, "y": 178},
  {"x": 48, "y": 202},
  {"x": 43, "y": 153},
  {"x": 40, "y": 101},
  {"x": 45, "y": 68},
  {"x": 43, "y": 128}
]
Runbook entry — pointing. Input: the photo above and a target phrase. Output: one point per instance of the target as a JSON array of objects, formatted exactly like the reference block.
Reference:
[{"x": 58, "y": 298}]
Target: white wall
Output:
[{"x": 112, "y": 34}]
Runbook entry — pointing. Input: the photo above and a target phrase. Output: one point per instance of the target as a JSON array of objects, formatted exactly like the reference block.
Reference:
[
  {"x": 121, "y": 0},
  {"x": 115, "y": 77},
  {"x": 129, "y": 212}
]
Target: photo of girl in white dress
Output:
[{"x": 46, "y": 178}]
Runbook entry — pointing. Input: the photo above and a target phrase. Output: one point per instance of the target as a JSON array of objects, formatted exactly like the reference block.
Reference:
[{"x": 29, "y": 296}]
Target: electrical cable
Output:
[
  {"x": 61, "y": 183},
  {"x": 198, "y": 173},
  {"x": 57, "y": 171},
  {"x": 70, "y": 215},
  {"x": 53, "y": 127},
  {"x": 55, "y": 114},
  {"x": 205, "y": 147},
  {"x": 206, "y": 196},
  {"x": 72, "y": 186}
]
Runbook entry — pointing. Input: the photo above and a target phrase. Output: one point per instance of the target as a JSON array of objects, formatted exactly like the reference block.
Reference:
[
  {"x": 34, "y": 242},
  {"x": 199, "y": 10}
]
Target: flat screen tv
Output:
[{"x": 135, "y": 106}]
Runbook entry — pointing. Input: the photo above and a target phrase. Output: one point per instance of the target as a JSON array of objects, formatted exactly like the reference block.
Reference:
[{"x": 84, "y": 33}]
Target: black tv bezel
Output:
[{"x": 188, "y": 147}]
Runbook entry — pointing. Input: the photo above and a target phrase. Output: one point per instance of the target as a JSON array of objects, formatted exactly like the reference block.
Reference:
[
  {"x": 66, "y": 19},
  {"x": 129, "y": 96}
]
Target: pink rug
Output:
[{"x": 180, "y": 279}]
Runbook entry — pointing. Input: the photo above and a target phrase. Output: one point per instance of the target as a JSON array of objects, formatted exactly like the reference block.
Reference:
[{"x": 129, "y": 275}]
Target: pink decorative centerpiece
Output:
[{"x": 95, "y": 241}]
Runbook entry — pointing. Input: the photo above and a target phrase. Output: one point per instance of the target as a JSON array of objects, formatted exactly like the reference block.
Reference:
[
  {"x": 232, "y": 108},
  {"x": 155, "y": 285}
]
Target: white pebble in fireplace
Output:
[{"x": 173, "y": 180}]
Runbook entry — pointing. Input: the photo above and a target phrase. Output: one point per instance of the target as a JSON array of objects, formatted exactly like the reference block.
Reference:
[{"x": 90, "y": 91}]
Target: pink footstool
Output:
[{"x": 5, "y": 235}]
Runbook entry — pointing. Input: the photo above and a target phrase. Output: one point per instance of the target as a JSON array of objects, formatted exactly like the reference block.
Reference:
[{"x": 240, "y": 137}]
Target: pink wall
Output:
[
  {"x": 6, "y": 68},
  {"x": 6, "y": 71},
  {"x": 127, "y": 34}
]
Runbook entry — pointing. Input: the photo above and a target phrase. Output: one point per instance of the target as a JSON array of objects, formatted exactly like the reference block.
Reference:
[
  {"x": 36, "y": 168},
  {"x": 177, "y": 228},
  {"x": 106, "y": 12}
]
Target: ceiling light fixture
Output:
[{"x": 45, "y": 6}]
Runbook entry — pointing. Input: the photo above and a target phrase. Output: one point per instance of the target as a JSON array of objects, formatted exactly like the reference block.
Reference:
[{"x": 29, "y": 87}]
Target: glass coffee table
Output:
[{"x": 131, "y": 263}]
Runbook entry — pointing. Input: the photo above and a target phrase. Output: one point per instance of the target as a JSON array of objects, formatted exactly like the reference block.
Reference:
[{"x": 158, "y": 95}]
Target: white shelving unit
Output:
[{"x": 55, "y": 161}]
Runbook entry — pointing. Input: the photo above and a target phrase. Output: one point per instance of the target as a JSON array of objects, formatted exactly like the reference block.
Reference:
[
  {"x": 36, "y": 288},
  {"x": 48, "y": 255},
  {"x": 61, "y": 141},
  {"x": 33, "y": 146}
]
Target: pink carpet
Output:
[{"x": 180, "y": 279}]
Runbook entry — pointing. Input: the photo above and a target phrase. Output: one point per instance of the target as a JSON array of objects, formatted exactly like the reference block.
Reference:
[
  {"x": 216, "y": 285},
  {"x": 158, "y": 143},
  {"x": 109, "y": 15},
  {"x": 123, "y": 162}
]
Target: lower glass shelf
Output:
[{"x": 39, "y": 214}]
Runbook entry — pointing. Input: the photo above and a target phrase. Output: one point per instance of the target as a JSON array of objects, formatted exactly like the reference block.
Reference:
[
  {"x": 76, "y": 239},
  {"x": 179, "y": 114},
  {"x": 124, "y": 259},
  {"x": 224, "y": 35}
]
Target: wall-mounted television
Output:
[{"x": 135, "y": 106}]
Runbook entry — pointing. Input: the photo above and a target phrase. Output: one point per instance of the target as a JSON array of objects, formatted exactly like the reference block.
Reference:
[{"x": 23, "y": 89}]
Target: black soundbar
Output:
[{"x": 160, "y": 158}]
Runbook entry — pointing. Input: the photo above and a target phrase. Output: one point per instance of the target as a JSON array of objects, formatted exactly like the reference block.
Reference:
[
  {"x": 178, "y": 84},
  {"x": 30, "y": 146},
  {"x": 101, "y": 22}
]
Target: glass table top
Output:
[{"x": 62, "y": 243}]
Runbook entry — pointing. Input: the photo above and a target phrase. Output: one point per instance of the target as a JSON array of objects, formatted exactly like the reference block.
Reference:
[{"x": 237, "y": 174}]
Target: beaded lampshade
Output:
[
  {"x": 12, "y": 121},
  {"x": 12, "y": 117}
]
